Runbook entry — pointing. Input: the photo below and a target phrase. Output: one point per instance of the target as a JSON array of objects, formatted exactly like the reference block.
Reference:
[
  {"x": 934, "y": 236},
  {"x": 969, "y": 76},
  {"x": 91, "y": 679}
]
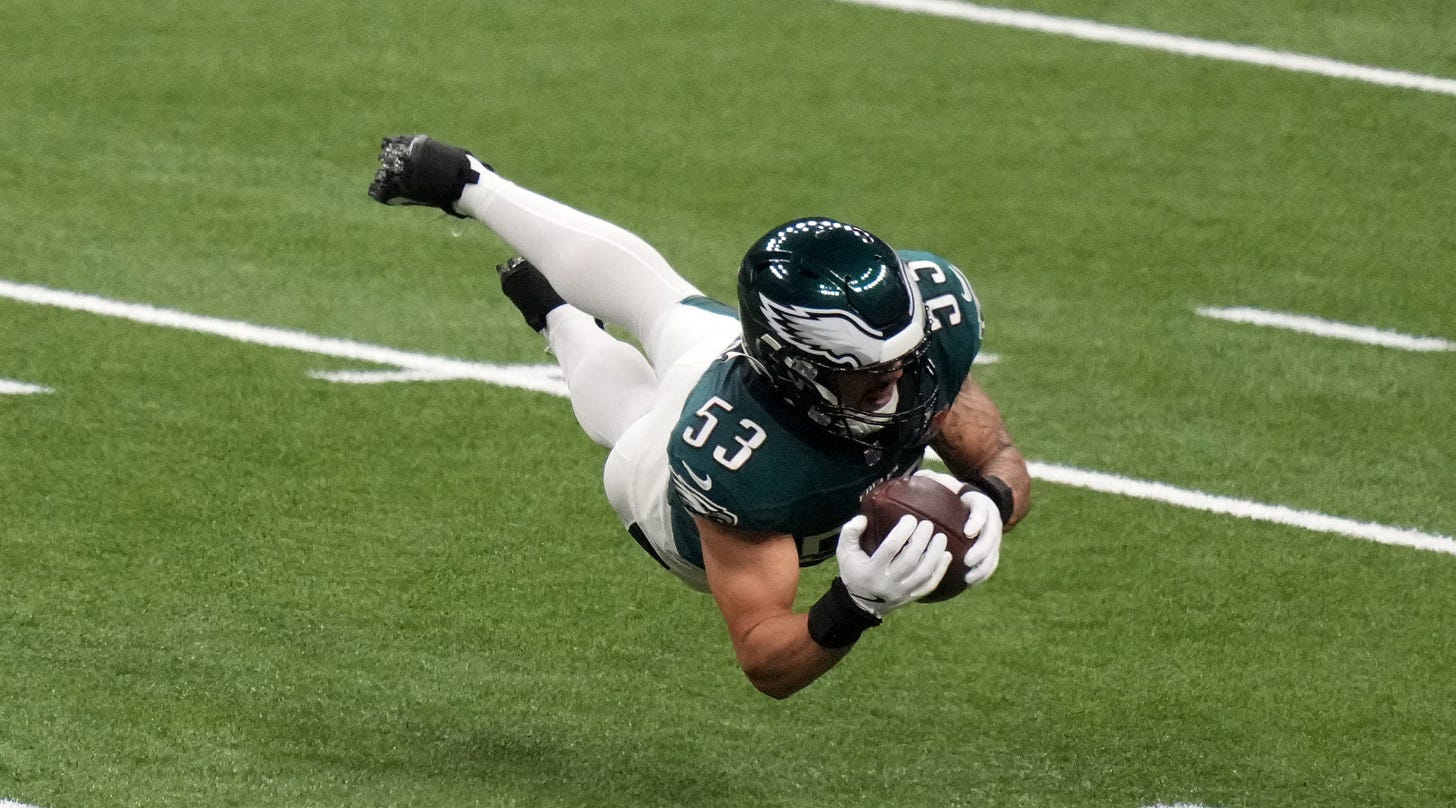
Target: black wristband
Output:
[
  {"x": 999, "y": 492},
  {"x": 835, "y": 621}
]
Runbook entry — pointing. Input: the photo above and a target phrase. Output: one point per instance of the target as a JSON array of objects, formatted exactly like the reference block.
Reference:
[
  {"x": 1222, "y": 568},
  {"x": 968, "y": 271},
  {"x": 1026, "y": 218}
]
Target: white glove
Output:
[
  {"x": 905, "y": 567},
  {"x": 944, "y": 479},
  {"x": 984, "y": 521}
]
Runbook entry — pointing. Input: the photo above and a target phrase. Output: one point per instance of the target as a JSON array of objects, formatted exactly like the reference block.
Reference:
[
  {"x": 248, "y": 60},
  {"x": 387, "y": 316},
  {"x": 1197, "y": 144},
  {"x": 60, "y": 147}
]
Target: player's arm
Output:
[
  {"x": 754, "y": 578},
  {"x": 977, "y": 447}
]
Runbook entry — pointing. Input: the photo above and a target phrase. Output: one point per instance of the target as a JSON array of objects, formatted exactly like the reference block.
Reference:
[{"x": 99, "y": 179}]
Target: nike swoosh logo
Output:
[{"x": 705, "y": 482}]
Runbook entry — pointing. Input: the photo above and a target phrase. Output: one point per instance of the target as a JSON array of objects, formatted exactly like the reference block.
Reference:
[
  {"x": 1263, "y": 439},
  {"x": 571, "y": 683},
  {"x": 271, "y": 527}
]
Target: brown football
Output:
[{"x": 922, "y": 498}]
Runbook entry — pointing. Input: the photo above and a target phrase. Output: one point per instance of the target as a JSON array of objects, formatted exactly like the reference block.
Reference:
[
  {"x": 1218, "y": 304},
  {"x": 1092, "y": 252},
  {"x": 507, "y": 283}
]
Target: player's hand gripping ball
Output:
[{"x": 923, "y": 498}]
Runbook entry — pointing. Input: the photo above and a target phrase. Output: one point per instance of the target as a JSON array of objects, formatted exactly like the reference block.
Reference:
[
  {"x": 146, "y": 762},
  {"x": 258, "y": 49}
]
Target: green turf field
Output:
[{"x": 226, "y": 582}]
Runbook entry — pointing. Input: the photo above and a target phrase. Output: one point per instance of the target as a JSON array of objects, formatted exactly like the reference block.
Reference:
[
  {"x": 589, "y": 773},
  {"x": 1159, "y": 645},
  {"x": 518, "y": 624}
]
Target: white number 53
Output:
[{"x": 749, "y": 436}]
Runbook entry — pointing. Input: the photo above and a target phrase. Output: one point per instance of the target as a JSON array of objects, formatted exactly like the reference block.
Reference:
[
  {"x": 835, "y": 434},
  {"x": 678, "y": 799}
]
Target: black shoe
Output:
[
  {"x": 419, "y": 170},
  {"x": 526, "y": 287}
]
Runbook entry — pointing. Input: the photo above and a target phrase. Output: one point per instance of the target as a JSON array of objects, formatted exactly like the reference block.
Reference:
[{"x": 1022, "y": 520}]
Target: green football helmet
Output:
[{"x": 818, "y": 297}]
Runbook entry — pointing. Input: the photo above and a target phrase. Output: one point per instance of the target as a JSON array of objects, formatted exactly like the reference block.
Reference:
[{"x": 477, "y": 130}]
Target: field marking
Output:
[
  {"x": 239, "y": 331},
  {"x": 545, "y": 379},
  {"x": 4, "y": 803},
  {"x": 1327, "y": 328},
  {"x": 1170, "y": 43},
  {"x": 406, "y": 375},
  {"x": 1242, "y": 508},
  {"x": 10, "y": 387},
  {"x": 380, "y": 376}
]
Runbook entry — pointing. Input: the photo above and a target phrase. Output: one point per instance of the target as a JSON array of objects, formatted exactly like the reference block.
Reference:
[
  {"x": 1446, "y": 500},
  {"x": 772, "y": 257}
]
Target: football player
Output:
[{"x": 741, "y": 442}]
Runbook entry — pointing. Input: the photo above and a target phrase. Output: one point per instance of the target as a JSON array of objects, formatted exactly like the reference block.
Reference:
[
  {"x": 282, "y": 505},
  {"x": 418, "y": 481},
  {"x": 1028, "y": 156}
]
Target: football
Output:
[{"x": 923, "y": 498}]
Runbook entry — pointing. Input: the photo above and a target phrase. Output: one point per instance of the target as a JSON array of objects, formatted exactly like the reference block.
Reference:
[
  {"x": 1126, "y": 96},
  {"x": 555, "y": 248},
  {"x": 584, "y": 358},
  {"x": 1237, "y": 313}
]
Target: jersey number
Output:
[
  {"x": 751, "y": 437},
  {"x": 945, "y": 310}
]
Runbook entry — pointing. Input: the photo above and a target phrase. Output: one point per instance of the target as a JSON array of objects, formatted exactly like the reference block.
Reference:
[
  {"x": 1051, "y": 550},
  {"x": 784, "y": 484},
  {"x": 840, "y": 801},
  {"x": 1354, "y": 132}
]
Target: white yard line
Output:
[
  {"x": 508, "y": 375},
  {"x": 1119, "y": 485},
  {"x": 1328, "y": 328},
  {"x": 545, "y": 378},
  {"x": 1242, "y": 508},
  {"x": 9, "y": 387},
  {"x": 381, "y": 376},
  {"x": 1170, "y": 43}
]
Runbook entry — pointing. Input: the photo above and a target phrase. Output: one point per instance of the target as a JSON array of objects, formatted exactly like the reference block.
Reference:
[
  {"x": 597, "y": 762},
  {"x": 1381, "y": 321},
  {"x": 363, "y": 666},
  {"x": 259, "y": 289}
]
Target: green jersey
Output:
[{"x": 741, "y": 456}]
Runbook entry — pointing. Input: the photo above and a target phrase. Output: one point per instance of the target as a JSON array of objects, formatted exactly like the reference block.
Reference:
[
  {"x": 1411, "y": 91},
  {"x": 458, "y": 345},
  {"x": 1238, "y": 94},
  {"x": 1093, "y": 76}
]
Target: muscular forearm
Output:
[
  {"x": 974, "y": 440},
  {"x": 780, "y": 658},
  {"x": 1006, "y": 464}
]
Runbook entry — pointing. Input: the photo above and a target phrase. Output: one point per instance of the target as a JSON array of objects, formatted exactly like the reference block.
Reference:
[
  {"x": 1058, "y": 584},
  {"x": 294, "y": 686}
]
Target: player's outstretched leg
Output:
[
  {"x": 610, "y": 384},
  {"x": 595, "y": 265}
]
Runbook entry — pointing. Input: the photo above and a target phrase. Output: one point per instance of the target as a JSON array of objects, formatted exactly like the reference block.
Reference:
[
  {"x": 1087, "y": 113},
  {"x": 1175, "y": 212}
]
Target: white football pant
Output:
[{"x": 622, "y": 399}]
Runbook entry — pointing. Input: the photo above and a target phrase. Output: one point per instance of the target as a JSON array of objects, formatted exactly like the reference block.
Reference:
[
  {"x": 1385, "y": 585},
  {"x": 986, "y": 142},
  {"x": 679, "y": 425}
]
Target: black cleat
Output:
[
  {"x": 526, "y": 287},
  {"x": 419, "y": 170}
]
